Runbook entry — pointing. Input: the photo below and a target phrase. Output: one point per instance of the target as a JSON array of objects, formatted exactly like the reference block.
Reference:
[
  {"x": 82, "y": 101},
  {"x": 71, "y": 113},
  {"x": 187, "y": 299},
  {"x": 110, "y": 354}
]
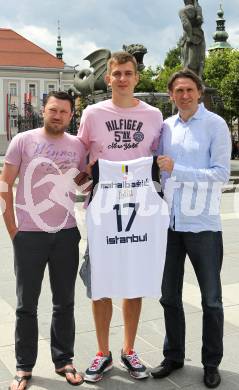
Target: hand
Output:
[
  {"x": 81, "y": 178},
  {"x": 89, "y": 167},
  {"x": 84, "y": 182},
  {"x": 165, "y": 163},
  {"x": 13, "y": 233},
  {"x": 88, "y": 185}
]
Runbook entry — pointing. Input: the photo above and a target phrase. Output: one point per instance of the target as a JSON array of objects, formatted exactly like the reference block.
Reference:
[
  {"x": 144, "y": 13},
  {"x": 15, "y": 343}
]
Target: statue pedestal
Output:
[{"x": 211, "y": 99}]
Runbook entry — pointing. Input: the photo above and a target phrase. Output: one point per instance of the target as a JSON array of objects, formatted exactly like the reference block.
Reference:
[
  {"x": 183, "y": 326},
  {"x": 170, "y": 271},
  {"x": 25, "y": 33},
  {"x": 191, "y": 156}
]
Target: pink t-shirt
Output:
[
  {"x": 113, "y": 133},
  {"x": 46, "y": 190}
]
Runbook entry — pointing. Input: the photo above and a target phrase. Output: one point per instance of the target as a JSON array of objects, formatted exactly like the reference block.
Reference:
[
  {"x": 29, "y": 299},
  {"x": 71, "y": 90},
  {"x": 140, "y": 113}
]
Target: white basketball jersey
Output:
[{"x": 127, "y": 222}]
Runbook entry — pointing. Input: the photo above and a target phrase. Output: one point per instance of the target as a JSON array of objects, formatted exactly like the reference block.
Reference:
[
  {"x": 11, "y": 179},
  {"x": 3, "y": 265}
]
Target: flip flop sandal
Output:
[
  {"x": 70, "y": 371},
  {"x": 20, "y": 379}
]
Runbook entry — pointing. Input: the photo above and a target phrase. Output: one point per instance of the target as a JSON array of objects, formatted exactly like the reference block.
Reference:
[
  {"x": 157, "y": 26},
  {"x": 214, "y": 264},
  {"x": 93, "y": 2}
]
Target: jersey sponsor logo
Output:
[
  {"x": 126, "y": 239},
  {"x": 125, "y": 184}
]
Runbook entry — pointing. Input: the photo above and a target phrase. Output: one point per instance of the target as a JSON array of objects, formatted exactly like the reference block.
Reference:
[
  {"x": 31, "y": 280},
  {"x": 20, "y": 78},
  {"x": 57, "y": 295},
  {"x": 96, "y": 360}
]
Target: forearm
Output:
[
  {"x": 8, "y": 178},
  {"x": 8, "y": 213},
  {"x": 215, "y": 174},
  {"x": 216, "y": 169}
]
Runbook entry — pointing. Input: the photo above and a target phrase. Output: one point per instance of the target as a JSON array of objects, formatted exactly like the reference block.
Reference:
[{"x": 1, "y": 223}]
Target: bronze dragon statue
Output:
[{"x": 86, "y": 81}]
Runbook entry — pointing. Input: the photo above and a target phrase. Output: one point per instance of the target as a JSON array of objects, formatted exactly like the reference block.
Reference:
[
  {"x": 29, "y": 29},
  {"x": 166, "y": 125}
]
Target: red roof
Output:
[{"x": 16, "y": 50}]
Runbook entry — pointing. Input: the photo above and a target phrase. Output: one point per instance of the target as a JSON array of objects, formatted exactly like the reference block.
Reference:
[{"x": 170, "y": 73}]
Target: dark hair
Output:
[
  {"x": 121, "y": 57},
  {"x": 62, "y": 95},
  {"x": 186, "y": 73}
]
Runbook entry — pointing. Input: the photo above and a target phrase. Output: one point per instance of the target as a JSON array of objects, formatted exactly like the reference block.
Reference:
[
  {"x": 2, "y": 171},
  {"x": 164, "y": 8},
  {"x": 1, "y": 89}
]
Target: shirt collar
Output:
[{"x": 198, "y": 114}]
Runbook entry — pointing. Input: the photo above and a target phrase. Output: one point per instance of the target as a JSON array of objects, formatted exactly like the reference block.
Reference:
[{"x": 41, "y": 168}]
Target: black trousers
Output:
[
  {"x": 205, "y": 251},
  {"x": 32, "y": 252}
]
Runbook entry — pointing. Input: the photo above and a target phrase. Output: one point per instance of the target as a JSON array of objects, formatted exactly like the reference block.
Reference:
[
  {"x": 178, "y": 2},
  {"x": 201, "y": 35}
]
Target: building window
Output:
[
  {"x": 51, "y": 87},
  {"x": 32, "y": 89},
  {"x": 13, "y": 122},
  {"x": 13, "y": 89}
]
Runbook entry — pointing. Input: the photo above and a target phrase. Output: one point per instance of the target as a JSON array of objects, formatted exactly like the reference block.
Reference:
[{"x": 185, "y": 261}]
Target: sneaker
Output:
[
  {"x": 132, "y": 363},
  {"x": 100, "y": 364}
]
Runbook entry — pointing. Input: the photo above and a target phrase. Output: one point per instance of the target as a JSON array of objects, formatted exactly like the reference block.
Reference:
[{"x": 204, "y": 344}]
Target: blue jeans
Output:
[
  {"x": 205, "y": 251},
  {"x": 33, "y": 251}
]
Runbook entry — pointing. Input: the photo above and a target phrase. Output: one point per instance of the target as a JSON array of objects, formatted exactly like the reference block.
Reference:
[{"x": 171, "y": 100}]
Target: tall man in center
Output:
[{"x": 121, "y": 128}]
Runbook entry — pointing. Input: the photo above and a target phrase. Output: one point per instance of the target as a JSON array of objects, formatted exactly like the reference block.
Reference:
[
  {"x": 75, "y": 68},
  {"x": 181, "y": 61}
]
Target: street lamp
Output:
[
  {"x": 74, "y": 67},
  {"x": 60, "y": 80}
]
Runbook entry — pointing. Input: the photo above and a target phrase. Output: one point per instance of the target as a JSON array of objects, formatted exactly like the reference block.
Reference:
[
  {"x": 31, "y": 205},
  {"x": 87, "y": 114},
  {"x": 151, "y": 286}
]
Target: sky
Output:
[{"x": 87, "y": 25}]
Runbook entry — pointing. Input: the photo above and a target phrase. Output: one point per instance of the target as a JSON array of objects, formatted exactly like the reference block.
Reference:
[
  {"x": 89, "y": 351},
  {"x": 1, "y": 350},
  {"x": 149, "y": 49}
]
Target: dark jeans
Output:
[
  {"x": 32, "y": 252},
  {"x": 205, "y": 250}
]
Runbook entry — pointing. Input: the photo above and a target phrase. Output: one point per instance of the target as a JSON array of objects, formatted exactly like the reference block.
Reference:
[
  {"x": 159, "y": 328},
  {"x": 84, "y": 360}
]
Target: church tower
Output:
[
  {"x": 220, "y": 36},
  {"x": 59, "y": 48}
]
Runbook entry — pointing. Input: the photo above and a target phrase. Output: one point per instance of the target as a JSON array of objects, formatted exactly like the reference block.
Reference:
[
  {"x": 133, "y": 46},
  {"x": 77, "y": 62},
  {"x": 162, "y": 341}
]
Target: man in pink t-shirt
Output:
[
  {"x": 46, "y": 161},
  {"x": 122, "y": 128}
]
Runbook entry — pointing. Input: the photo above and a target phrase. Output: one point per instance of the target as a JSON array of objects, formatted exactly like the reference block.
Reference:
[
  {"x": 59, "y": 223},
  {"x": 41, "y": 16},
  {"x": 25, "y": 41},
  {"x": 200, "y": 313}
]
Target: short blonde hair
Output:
[{"x": 121, "y": 57}]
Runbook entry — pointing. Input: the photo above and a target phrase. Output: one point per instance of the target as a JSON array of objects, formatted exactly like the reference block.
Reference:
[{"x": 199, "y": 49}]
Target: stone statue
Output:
[
  {"x": 192, "y": 42},
  {"x": 87, "y": 81}
]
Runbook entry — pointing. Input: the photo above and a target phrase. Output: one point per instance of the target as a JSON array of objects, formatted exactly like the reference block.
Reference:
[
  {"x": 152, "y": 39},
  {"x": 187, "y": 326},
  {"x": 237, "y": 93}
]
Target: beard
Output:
[{"x": 55, "y": 128}]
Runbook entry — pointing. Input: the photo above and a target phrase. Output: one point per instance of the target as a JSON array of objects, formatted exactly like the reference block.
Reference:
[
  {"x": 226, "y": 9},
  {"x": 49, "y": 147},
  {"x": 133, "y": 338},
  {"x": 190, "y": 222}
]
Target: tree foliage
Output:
[
  {"x": 216, "y": 67},
  {"x": 222, "y": 72},
  {"x": 147, "y": 80},
  {"x": 156, "y": 80},
  {"x": 230, "y": 85},
  {"x": 161, "y": 81},
  {"x": 173, "y": 58}
]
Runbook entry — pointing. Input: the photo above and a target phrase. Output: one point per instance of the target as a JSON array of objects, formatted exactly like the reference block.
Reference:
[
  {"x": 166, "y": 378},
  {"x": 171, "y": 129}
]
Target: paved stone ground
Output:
[{"x": 151, "y": 328}]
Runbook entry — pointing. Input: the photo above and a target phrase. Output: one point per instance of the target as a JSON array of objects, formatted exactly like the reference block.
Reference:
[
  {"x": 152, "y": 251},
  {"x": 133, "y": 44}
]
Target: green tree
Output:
[
  {"x": 155, "y": 80},
  {"x": 147, "y": 80},
  {"x": 222, "y": 72},
  {"x": 161, "y": 81},
  {"x": 216, "y": 67},
  {"x": 230, "y": 85},
  {"x": 172, "y": 63},
  {"x": 173, "y": 58}
]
